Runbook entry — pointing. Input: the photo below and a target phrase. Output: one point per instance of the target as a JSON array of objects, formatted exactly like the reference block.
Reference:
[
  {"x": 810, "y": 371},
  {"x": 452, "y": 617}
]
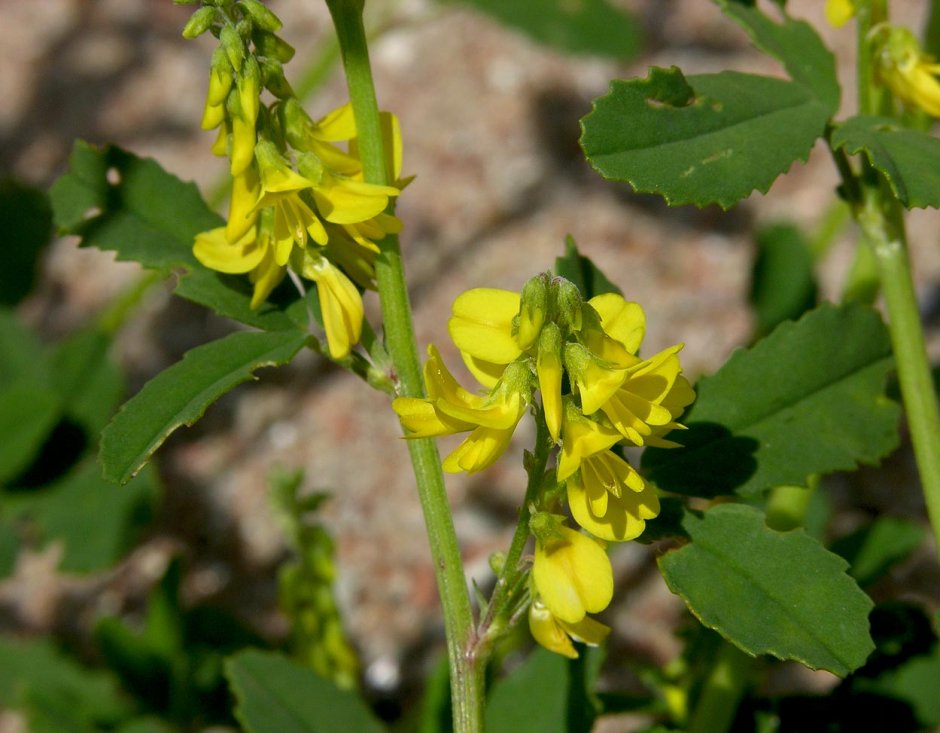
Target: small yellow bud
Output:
[
  {"x": 249, "y": 89},
  {"x": 220, "y": 77},
  {"x": 549, "y": 368}
]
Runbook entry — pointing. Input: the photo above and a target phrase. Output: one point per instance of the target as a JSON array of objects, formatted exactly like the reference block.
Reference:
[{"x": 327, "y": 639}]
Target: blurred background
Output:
[{"x": 489, "y": 116}]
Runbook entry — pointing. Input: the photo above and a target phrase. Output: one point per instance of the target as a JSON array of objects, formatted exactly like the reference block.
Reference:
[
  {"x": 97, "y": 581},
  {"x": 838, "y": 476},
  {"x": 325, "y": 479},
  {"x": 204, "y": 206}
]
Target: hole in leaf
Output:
[{"x": 113, "y": 176}]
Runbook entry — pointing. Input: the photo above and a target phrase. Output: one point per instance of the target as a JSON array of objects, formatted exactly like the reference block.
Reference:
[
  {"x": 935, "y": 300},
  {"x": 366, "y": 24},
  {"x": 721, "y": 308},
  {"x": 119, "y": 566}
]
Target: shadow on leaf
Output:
[{"x": 711, "y": 462}]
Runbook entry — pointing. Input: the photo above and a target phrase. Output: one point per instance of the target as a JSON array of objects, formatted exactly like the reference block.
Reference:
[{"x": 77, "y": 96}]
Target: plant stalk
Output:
[
  {"x": 466, "y": 671},
  {"x": 883, "y": 232}
]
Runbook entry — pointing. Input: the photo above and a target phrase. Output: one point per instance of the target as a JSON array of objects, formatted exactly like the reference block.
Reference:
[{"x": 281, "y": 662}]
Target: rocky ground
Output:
[{"x": 490, "y": 125}]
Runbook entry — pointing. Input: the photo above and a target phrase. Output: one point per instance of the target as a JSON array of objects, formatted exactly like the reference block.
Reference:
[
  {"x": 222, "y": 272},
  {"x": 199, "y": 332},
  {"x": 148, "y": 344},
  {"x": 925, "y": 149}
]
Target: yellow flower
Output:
[
  {"x": 253, "y": 253},
  {"x": 651, "y": 394},
  {"x": 572, "y": 574},
  {"x": 241, "y": 211},
  {"x": 556, "y": 635},
  {"x": 451, "y": 409},
  {"x": 594, "y": 379},
  {"x": 840, "y": 12},
  {"x": 910, "y": 74},
  {"x": 481, "y": 327},
  {"x": 549, "y": 369},
  {"x": 340, "y": 302},
  {"x": 581, "y": 438},
  {"x": 281, "y": 187},
  {"x": 609, "y": 498},
  {"x": 622, "y": 327}
]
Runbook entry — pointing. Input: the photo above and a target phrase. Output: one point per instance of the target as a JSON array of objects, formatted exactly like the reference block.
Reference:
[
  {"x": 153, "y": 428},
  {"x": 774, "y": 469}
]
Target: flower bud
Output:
[
  {"x": 295, "y": 122},
  {"x": 272, "y": 76},
  {"x": 568, "y": 302},
  {"x": 249, "y": 88},
  {"x": 220, "y": 146},
  {"x": 594, "y": 380},
  {"x": 533, "y": 311},
  {"x": 220, "y": 77},
  {"x": 233, "y": 45},
  {"x": 549, "y": 368},
  {"x": 260, "y": 15},
  {"x": 199, "y": 22},
  {"x": 272, "y": 46}
]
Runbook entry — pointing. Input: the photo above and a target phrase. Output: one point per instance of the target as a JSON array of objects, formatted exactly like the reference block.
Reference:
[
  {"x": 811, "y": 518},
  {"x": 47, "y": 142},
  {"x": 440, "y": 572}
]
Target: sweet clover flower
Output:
[
  {"x": 556, "y": 635},
  {"x": 595, "y": 394},
  {"x": 451, "y": 409},
  {"x": 299, "y": 202},
  {"x": 571, "y": 572}
]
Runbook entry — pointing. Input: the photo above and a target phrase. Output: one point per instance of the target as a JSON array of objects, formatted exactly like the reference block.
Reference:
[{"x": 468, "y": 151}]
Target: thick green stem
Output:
[
  {"x": 885, "y": 236},
  {"x": 466, "y": 671}
]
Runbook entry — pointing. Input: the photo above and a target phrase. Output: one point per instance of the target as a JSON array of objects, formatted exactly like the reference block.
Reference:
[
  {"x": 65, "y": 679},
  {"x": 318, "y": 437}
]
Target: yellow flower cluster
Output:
[
  {"x": 596, "y": 393},
  {"x": 299, "y": 202}
]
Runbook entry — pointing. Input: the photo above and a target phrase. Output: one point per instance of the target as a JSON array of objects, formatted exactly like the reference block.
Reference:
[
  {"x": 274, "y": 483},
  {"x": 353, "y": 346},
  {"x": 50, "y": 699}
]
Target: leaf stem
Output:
[
  {"x": 465, "y": 669},
  {"x": 883, "y": 232}
]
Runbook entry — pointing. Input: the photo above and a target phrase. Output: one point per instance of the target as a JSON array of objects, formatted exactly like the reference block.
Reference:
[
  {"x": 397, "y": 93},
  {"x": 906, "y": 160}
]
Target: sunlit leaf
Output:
[
  {"x": 807, "y": 399},
  {"x": 708, "y": 139},
  {"x": 180, "y": 394},
  {"x": 769, "y": 592}
]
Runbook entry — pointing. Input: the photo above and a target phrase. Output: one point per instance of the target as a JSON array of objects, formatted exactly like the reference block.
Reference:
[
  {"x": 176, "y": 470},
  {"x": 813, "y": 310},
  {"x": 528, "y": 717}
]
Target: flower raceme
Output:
[
  {"x": 595, "y": 394},
  {"x": 299, "y": 202}
]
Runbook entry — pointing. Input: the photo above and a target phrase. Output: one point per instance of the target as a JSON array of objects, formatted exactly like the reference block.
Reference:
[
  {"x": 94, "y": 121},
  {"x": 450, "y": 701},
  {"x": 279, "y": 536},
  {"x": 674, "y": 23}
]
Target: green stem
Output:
[
  {"x": 883, "y": 232},
  {"x": 499, "y": 608},
  {"x": 718, "y": 701},
  {"x": 465, "y": 669}
]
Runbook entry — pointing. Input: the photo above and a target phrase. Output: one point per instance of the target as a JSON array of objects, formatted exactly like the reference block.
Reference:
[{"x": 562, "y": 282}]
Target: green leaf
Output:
[
  {"x": 711, "y": 139},
  {"x": 96, "y": 521},
  {"x": 26, "y": 223},
  {"x": 768, "y": 592},
  {"x": 28, "y": 414},
  {"x": 275, "y": 695},
  {"x": 116, "y": 201},
  {"x": 180, "y": 395},
  {"x": 29, "y": 665},
  {"x": 533, "y": 699},
  {"x": 89, "y": 382},
  {"x": 796, "y": 45},
  {"x": 807, "y": 399},
  {"x": 547, "y": 694},
  {"x": 909, "y": 159},
  {"x": 783, "y": 286},
  {"x": 874, "y": 548},
  {"x": 583, "y": 272},
  {"x": 23, "y": 358},
  {"x": 588, "y": 26},
  {"x": 916, "y": 684}
]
